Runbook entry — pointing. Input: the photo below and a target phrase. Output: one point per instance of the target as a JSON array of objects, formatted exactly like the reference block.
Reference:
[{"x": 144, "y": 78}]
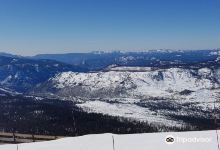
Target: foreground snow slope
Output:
[{"x": 148, "y": 141}]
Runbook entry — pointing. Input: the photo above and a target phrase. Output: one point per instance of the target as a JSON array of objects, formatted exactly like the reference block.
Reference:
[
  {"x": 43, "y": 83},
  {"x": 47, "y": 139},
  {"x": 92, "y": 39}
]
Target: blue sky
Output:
[{"x": 30, "y": 27}]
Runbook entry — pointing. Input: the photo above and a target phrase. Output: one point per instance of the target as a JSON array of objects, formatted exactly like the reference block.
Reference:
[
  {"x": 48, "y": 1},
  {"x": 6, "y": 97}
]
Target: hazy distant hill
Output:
[
  {"x": 21, "y": 74},
  {"x": 155, "y": 58}
]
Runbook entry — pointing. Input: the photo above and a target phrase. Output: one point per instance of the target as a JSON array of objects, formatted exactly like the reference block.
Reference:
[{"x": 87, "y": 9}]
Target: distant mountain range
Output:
[
  {"x": 24, "y": 73},
  {"x": 155, "y": 58}
]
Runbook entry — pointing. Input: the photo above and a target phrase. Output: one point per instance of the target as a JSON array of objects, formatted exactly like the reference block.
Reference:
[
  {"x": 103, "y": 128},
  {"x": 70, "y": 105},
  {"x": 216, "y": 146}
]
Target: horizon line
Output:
[{"x": 106, "y": 51}]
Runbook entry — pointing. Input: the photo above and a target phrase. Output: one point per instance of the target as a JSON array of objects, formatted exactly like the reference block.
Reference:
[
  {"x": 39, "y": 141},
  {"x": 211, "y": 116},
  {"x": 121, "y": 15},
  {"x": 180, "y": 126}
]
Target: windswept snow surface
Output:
[{"x": 200, "y": 140}]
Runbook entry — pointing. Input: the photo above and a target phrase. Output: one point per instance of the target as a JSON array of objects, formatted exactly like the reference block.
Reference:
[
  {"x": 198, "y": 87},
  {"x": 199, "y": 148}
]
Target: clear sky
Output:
[{"x": 29, "y": 27}]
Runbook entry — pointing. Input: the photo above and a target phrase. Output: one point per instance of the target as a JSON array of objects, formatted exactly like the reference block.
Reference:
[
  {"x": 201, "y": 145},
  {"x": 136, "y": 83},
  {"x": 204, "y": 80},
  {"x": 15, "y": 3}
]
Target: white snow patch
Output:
[
  {"x": 128, "y": 111},
  {"x": 146, "y": 141}
]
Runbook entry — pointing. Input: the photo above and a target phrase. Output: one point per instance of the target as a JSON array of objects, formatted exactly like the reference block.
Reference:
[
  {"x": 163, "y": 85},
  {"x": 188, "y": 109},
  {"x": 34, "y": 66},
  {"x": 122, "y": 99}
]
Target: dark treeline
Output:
[
  {"x": 63, "y": 118},
  {"x": 199, "y": 123},
  {"x": 55, "y": 117}
]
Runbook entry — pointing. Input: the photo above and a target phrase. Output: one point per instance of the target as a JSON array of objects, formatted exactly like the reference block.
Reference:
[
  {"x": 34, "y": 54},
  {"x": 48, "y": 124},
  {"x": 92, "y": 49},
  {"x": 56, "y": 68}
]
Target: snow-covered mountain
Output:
[
  {"x": 200, "y": 140},
  {"x": 162, "y": 96},
  {"x": 143, "y": 83}
]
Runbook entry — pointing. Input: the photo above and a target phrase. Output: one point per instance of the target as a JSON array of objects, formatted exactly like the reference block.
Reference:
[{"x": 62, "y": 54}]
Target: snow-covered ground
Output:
[
  {"x": 200, "y": 140},
  {"x": 129, "y": 111}
]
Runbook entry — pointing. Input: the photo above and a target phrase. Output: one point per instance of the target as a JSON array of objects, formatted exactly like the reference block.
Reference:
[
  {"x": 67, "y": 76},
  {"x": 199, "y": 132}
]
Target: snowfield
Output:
[
  {"x": 129, "y": 111},
  {"x": 200, "y": 140}
]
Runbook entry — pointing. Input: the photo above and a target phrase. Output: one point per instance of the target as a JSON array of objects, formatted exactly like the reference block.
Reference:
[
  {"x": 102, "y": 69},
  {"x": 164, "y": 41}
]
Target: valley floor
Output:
[{"x": 194, "y": 140}]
